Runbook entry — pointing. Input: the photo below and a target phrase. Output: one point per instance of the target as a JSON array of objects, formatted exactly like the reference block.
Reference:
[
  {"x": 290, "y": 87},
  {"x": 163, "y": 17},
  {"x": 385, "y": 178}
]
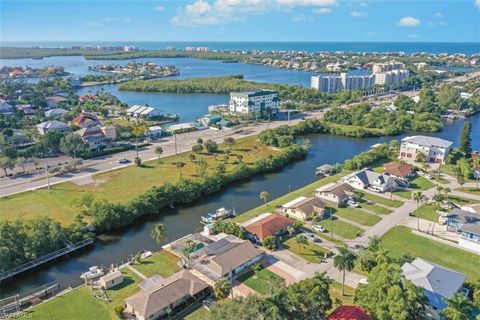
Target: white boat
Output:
[
  {"x": 92, "y": 273},
  {"x": 220, "y": 213}
]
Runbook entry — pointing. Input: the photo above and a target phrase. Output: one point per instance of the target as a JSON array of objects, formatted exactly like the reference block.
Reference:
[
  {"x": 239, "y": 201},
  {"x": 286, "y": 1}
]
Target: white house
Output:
[
  {"x": 153, "y": 132},
  {"x": 257, "y": 102},
  {"x": 137, "y": 111},
  {"x": 366, "y": 178},
  {"x": 435, "y": 149},
  {"x": 338, "y": 193},
  {"x": 55, "y": 113},
  {"x": 304, "y": 208},
  {"x": 111, "y": 279},
  {"x": 51, "y": 126}
]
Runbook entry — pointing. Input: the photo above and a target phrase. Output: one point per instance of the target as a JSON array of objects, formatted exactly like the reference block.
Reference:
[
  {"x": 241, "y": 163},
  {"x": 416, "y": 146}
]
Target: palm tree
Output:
[
  {"x": 344, "y": 261},
  {"x": 138, "y": 131},
  {"x": 222, "y": 289},
  {"x": 180, "y": 165},
  {"x": 458, "y": 308},
  {"x": 158, "y": 151},
  {"x": 301, "y": 241},
  {"x": 264, "y": 195},
  {"x": 158, "y": 233},
  {"x": 421, "y": 157},
  {"x": 418, "y": 197}
]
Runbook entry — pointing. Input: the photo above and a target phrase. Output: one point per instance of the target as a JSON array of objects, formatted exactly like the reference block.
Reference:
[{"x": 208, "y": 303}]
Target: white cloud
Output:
[
  {"x": 322, "y": 11},
  {"x": 94, "y": 24},
  {"x": 413, "y": 36},
  {"x": 409, "y": 22},
  {"x": 216, "y": 12},
  {"x": 159, "y": 8},
  {"x": 477, "y": 3},
  {"x": 438, "y": 15},
  {"x": 358, "y": 14},
  {"x": 301, "y": 18}
]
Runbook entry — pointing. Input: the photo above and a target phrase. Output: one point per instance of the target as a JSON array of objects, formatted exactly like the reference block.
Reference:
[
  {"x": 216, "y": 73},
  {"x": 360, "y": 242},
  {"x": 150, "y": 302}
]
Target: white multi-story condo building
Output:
[
  {"x": 391, "y": 78},
  {"x": 435, "y": 149},
  {"x": 326, "y": 83},
  {"x": 257, "y": 102},
  {"x": 355, "y": 82},
  {"x": 387, "y": 66}
]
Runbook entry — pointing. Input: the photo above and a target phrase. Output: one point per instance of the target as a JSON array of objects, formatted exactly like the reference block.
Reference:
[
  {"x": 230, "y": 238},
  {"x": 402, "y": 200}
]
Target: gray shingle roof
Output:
[{"x": 428, "y": 141}]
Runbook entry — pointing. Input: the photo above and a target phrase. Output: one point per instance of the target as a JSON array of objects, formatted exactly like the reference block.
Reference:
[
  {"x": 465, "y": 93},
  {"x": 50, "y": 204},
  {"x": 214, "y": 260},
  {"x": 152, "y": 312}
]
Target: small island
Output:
[
  {"x": 28, "y": 72},
  {"x": 146, "y": 70}
]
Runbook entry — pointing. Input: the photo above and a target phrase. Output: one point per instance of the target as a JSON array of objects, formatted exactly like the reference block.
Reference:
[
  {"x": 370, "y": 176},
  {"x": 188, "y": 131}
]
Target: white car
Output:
[
  {"x": 310, "y": 236},
  {"x": 353, "y": 204},
  {"x": 123, "y": 160},
  {"x": 318, "y": 228}
]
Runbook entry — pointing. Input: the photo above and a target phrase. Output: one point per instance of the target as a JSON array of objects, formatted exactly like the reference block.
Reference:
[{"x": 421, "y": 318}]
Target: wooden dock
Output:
[{"x": 42, "y": 260}]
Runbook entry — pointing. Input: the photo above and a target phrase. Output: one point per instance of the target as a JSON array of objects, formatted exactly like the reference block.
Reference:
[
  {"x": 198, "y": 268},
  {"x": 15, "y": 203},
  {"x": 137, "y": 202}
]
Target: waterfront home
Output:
[
  {"x": 153, "y": 132},
  {"x": 367, "y": 178},
  {"x": 437, "y": 282},
  {"x": 225, "y": 258},
  {"x": 160, "y": 299},
  {"x": 435, "y": 149},
  {"x": 210, "y": 119},
  {"x": 182, "y": 127},
  {"x": 95, "y": 136},
  {"x": 55, "y": 113},
  {"x": 54, "y": 101},
  {"x": 398, "y": 170},
  {"x": 305, "y": 208},
  {"x": 338, "y": 193},
  {"x": 111, "y": 279},
  {"x": 86, "y": 120},
  {"x": 465, "y": 221},
  {"x": 254, "y": 103},
  {"x": 114, "y": 110},
  {"x": 144, "y": 112},
  {"x": 270, "y": 225},
  {"x": 53, "y": 126},
  {"x": 349, "y": 313}
]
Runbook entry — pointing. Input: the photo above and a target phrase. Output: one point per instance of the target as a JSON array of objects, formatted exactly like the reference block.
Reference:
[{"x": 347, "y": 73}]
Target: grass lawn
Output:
[
  {"x": 341, "y": 228},
  {"x": 474, "y": 190},
  {"x": 460, "y": 200},
  {"x": 163, "y": 263},
  {"x": 311, "y": 252},
  {"x": 199, "y": 314},
  {"x": 308, "y": 190},
  {"x": 400, "y": 240},
  {"x": 381, "y": 200},
  {"x": 79, "y": 304},
  {"x": 427, "y": 212},
  {"x": 263, "y": 282},
  {"x": 375, "y": 208},
  {"x": 336, "y": 293},
  {"x": 122, "y": 185},
  {"x": 357, "y": 215},
  {"x": 450, "y": 170},
  {"x": 417, "y": 184}
]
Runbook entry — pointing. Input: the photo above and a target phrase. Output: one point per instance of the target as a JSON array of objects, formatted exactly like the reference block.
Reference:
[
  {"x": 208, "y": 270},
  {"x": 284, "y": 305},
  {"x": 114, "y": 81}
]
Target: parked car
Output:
[
  {"x": 123, "y": 160},
  {"x": 318, "y": 228},
  {"x": 353, "y": 204},
  {"x": 310, "y": 236}
]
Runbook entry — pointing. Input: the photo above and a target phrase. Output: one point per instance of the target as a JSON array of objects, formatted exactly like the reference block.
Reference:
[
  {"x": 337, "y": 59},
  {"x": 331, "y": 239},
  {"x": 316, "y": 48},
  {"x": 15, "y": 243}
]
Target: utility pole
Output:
[
  {"x": 223, "y": 138},
  {"x": 48, "y": 178},
  {"x": 175, "y": 135}
]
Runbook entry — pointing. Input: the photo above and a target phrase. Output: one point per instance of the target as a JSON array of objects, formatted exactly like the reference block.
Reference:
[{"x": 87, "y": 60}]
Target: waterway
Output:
[{"x": 115, "y": 247}]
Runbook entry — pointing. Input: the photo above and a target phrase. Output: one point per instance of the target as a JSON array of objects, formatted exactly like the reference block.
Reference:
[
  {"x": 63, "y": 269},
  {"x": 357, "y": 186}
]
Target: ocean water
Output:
[{"x": 407, "y": 47}]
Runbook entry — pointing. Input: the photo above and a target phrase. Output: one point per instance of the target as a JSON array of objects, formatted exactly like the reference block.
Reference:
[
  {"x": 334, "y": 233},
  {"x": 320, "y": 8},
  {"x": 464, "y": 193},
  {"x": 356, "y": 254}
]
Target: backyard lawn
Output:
[
  {"x": 162, "y": 262},
  {"x": 400, "y": 241},
  {"x": 474, "y": 190},
  {"x": 201, "y": 313},
  {"x": 417, "y": 184},
  {"x": 263, "y": 282},
  {"x": 79, "y": 304},
  {"x": 307, "y": 190},
  {"x": 381, "y": 200},
  {"x": 311, "y": 252},
  {"x": 122, "y": 185},
  {"x": 341, "y": 228},
  {"x": 427, "y": 212},
  {"x": 336, "y": 293},
  {"x": 356, "y": 215},
  {"x": 375, "y": 208}
]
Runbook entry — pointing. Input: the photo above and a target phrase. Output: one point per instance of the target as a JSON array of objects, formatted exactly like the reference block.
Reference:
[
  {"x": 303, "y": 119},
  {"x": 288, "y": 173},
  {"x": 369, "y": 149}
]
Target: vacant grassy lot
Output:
[
  {"x": 263, "y": 281},
  {"x": 308, "y": 190},
  {"x": 417, "y": 184},
  {"x": 162, "y": 262},
  {"x": 427, "y": 212},
  {"x": 357, "y": 215},
  {"x": 123, "y": 184},
  {"x": 473, "y": 191},
  {"x": 341, "y": 228},
  {"x": 311, "y": 252},
  {"x": 400, "y": 241},
  {"x": 381, "y": 200},
  {"x": 375, "y": 208},
  {"x": 79, "y": 304}
]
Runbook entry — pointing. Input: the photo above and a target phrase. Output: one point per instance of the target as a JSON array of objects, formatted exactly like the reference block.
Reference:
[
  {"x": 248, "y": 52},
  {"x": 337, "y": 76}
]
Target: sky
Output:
[{"x": 240, "y": 20}]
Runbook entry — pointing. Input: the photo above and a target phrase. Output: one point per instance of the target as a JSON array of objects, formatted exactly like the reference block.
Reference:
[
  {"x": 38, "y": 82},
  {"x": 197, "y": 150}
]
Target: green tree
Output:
[
  {"x": 448, "y": 97},
  {"x": 6, "y": 164},
  {"x": 388, "y": 295},
  {"x": 180, "y": 165},
  {"x": 72, "y": 144},
  {"x": 421, "y": 157},
  {"x": 344, "y": 261},
  {"x": 202, "y": 167},
  {"x": 418, "y": 197},
  {"x": 230, "y": 142},
  {"x": 158, "y": 152},
  {"x": 270, "y": 242},
  {"x": 222, "y": 289},
  {"x": 221, "y": 168},
  {"x": 459, "y": 307},
  {"x": 137, "y": 161},
  {"x": 138, "y": 131},
  {"x": 197, "y": 148},
  {"x": 264, "y": 195},
  {"x": 301, "y": 241},
  {"x": 119, "y": 310},
  {"x": 465, "y": 142},
  {"x": 159, "y": 233},
  {"x": 211, "y": 146}
]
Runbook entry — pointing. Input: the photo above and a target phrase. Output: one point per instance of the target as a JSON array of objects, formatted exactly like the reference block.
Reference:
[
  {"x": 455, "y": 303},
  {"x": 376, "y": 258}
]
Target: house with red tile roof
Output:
[
  {"x": 398, "y": 169},
  {"x": 85, "y": 120},
  {"x": 349, "y": 313},
  {"x": 272, "y": 224}
]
